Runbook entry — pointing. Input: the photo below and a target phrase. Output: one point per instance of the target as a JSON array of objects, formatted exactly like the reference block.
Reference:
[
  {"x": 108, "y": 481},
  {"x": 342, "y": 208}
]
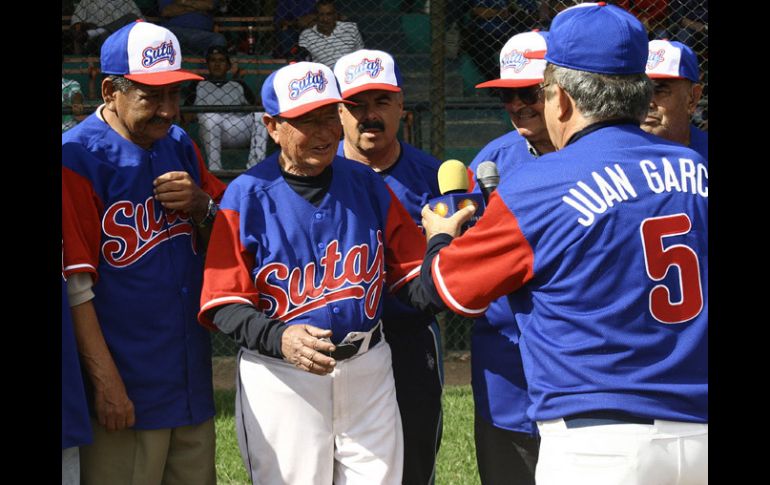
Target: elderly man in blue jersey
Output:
[
  {"x": 371, "y": 79},
  {"x": 506, "y": 438},
  {"x": 582, "y": 240},
  {"x": 673, "y": 68},
  {"x": 137, "y": 209},
  {"x": 305, "y": 247}
]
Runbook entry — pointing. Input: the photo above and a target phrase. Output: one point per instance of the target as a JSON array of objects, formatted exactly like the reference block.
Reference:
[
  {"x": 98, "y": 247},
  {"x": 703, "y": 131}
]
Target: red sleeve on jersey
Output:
[
  {"x": 405, "y": 245},
  {"x": 227, "y": 274},
  {"x": 471, "y": 180},
  {"x": 81, "y": 224},
  {"x": 209, "y": 183},
  {"x": 492, "y": 254}
]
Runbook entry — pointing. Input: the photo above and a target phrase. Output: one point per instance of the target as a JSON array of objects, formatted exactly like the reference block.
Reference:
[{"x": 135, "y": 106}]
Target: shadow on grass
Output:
[{"x": 224, "y": 402}]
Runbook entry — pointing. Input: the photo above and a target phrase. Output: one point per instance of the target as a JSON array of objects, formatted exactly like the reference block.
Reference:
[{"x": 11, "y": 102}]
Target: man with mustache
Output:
[
  {"x": 506, "y": 439},
  {"x": 673, "y": 68},
  {"x": 138, "y": 205},
  {"x": 371, "y": 79}
]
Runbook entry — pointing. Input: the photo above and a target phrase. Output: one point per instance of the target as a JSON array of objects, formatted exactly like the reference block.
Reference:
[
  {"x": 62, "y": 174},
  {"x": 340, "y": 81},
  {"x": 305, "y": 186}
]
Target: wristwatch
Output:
[{"x": 211, "y": 213}]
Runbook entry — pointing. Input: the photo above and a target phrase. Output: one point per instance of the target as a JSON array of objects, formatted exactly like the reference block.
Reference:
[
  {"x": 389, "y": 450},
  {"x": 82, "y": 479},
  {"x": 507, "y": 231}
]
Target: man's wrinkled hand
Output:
[
  {"x": 177, "y": 191},
  {"x": 436, "y": 224},
  {"x": 302, "y": 346}
]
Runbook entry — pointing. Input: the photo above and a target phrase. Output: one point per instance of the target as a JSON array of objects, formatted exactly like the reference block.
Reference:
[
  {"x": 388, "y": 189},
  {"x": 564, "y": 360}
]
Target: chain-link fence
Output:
[{"x": 443, "y": 49}]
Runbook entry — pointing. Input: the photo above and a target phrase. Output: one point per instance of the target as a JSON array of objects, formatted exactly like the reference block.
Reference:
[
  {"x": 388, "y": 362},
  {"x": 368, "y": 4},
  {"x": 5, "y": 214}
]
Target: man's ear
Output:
[
  {"x": 272, "y": 128},
  {"x": 108, "y": 94},
  {"x": 564, "y": 103},
  {"x": 695, "y": 94}
]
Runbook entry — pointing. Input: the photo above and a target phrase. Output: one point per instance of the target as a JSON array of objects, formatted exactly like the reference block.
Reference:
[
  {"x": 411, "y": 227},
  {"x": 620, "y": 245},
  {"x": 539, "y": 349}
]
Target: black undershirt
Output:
[{"x": 252, "y": 329}]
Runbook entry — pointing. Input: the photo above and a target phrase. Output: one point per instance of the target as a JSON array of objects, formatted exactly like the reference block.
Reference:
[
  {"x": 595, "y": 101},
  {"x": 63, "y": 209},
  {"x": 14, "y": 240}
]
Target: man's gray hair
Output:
[
  {"x": 121, "y": 83},
  {"x": 602, "y": 97}
]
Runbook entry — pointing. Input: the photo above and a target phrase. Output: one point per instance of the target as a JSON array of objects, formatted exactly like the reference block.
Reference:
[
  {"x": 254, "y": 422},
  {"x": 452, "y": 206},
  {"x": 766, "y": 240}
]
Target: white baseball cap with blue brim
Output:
[
  {"x": 145, "y": 53},
  {"x": 365, "y": 70},
  {"x": 299, "y": 88},
  {"x": 672, "y": 60},
  {"x": 598, "y": 38},
  {"x": 516, "y": 70}
]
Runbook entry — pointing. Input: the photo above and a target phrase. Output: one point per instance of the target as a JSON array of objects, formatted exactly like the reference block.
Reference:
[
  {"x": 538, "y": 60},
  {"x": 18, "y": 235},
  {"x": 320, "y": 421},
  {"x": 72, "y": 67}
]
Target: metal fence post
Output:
[{"x": 437, "y": 70}]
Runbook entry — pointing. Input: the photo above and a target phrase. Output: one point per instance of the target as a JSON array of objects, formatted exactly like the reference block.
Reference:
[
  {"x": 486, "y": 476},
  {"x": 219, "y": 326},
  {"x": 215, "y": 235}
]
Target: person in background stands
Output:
[
  {"x": 330, "y": 39},
  {"x": 226, "y": 130}
]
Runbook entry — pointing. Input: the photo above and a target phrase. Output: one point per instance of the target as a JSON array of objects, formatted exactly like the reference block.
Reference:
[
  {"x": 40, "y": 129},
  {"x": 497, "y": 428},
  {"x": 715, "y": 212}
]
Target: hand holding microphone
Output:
[
  {"x": 453, "y": 184},
  {"x": 454, "y": 225}
]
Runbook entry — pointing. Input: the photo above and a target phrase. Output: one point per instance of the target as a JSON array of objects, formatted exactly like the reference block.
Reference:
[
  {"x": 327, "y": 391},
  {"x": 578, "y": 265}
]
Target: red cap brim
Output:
[
  {"x": 663, "y": 76},
  {"x": 535, "y": 54},
  {"x": 306, "y": 108},
  {"x": 509, "y": 83},
  {"x": 371, "y": 87},
  {"x": 163, "y": 78}
]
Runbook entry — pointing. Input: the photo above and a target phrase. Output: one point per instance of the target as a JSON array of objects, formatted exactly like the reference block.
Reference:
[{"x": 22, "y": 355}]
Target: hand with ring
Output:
[{"x": 304, "y": 346}]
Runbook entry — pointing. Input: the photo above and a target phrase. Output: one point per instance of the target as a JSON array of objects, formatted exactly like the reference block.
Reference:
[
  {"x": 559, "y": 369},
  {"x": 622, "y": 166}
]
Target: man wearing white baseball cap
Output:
[
  {"x": 582, "y": 241},
  {"x": 305, "y": 245},
  {"x": 137, "y": 208},
  {"x": 506, "y": 439},
  {"x": 673, "y": 68},
  {"x": 371, "y": 79}
]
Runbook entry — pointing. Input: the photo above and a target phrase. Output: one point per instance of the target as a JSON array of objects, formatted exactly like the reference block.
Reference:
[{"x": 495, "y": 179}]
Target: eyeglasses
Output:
[{"x": 529, "y": 95}]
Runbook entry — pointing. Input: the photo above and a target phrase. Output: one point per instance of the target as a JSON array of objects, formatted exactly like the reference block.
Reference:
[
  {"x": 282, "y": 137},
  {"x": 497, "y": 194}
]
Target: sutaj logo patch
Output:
[
  {"x": 132, "y": 231},
  {"x": 287, "y": 293},
  {"x": 367, "y": 66},
  {"x": 311, "y": 80},
  {"x": 154, "y": 55},
  {"x": 655, "y": 58},
  {"x": 514, "y": 60}
]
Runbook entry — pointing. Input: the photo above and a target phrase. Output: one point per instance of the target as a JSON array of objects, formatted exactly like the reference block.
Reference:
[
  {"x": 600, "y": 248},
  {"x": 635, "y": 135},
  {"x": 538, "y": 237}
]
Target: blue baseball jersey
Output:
[
  {"x": 75, "y": 423},
  {"x": 699, "y": 141},
  {"x": 327, "y": 266},
  {"x": 606, "y": 241},
  {"x": 414, "y": 180},
  {"x": 146, "y": 264},
  {"x": 497, "y": 373}
]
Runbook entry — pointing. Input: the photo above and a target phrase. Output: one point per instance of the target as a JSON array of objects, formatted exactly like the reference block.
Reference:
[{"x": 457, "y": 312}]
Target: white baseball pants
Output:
[
  {"x": 664, "y": 453},
  {"x": 303, "y": 429}
]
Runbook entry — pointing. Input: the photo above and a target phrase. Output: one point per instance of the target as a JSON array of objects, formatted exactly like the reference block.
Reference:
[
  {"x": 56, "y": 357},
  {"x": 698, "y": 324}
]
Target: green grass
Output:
[{"x": 456, "y": 458}]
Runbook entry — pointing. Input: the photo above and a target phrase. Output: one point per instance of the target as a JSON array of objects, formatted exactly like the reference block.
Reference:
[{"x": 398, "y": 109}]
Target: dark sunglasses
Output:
[{"x": 529, "y": 95}]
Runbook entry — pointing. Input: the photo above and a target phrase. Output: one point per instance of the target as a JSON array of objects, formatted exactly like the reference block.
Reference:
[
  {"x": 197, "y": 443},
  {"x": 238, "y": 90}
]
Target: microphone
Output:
[
  {"x": 452, "y": 177},
  {"x": 488, "y": 178},
  {"x": 453, "y": 184}
]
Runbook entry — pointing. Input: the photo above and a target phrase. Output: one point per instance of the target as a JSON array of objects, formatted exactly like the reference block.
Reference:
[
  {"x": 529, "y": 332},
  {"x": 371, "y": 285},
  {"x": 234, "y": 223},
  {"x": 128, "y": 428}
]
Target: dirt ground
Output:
[{"x": 457, "y": 370}]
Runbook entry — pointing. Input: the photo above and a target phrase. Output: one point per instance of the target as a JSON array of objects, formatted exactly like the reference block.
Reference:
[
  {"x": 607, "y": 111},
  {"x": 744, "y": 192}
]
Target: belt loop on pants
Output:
[
  {"x": 356, "y": 343},
  {"x": 602, "y": 418}
]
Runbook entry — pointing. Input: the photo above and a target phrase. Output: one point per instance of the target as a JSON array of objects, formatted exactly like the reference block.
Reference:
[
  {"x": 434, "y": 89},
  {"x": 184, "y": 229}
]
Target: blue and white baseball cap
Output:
[
  {"x": 367, "y": 69},
  {"x": 298, "y": 88},
  {"x": 145, "y": 53},
  {"x": 599, "y": 38},
  {"x": 516, "y": 70},
  {"x": 672, "y": 60}
]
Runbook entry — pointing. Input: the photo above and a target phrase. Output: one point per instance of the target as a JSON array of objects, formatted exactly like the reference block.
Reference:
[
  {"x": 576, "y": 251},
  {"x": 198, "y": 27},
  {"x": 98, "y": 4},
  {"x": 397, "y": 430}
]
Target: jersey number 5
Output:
[{"x": 658, "y": 260}]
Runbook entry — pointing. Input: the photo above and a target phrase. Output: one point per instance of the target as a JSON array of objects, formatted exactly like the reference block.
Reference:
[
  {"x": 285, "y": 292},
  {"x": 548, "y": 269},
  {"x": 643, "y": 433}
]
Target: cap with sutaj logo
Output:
[
  {"x": 672, "y": 60},
  {"x": 299, "y": 88},
  {"x": 598, "y": 38},
  {"x": 516, "y": 70},
  {"x": 367, "y": 69},
  {"x": 145, "y": 53}
]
